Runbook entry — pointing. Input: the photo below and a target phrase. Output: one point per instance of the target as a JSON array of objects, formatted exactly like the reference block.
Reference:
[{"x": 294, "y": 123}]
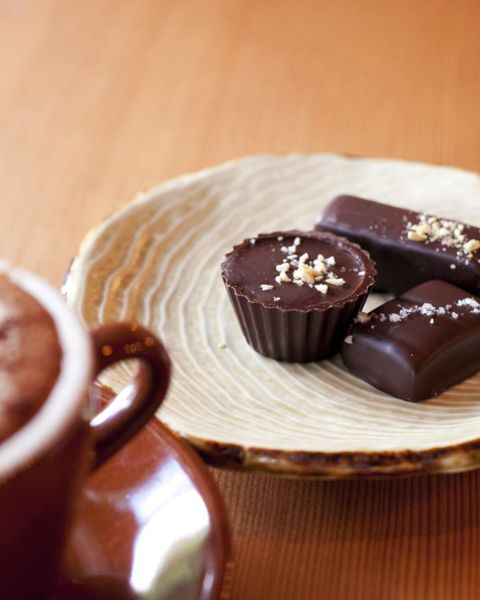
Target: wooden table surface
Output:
[{"x": 99, "y": 99}]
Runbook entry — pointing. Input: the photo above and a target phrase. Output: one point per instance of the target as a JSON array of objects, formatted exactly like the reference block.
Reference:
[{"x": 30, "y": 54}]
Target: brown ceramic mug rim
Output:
[{"x": 66, "y": 400}]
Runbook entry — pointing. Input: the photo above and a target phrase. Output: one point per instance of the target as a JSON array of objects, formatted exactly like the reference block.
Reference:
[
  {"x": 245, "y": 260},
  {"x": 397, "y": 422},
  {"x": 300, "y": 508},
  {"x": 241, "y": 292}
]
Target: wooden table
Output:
[{"x": 99, "y": 99}]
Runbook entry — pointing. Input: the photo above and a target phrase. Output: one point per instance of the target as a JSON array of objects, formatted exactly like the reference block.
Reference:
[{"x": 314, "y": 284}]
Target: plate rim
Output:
[{"x": 314, "y": 464}]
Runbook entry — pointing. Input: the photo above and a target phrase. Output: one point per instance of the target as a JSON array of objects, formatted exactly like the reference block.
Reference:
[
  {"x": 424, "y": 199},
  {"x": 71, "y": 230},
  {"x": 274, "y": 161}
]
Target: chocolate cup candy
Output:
[{"x": 291, "y": 312}]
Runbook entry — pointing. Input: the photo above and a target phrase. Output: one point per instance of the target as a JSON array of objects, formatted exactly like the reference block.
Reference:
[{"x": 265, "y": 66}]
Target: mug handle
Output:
[{"x": 133, "y": 406}]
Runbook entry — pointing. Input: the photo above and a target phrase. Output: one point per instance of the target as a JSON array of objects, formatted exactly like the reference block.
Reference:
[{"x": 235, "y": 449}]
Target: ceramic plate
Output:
[{"x": 157, "y": 261}]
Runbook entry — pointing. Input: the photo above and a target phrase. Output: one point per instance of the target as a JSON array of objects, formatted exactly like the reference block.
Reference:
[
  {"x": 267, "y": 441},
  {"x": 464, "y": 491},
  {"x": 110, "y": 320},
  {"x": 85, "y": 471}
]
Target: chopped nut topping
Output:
[
  {"x": 303, "y": 258},
  {"x": 303, "y": 270},
  {"x": 448, "y": 233},
  {"x": 304, "y": 273},
  {"x": 320, "y": 265},
  {"x": 363, "y": 317},
  {"x": 471, "y": 246},
  {"x": 221, "y": 345},
  {"x": 336, "y": 281},
  {"x": 423, "y": 229},
  {"x": 417, "y": 237},
  {"x": 283, "y": 277}
]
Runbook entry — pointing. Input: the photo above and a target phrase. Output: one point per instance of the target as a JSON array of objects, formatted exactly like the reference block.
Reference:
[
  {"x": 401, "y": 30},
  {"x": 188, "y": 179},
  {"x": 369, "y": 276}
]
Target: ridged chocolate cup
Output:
[{"x": 299, "y": 335}]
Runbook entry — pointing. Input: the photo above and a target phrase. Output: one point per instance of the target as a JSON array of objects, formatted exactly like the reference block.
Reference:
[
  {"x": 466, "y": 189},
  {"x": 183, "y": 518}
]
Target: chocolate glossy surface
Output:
[
  {"x": 254, "y": 263},
  {"x": 418, "y": 345},
  {"x": 150, "y": 522},
  {"x": 401, "y": 263},
  {"x": 302, "y": 317}
]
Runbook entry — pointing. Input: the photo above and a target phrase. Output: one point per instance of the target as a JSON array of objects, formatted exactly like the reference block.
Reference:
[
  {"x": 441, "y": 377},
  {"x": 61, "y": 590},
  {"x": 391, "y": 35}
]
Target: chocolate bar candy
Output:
[
  {"x": 408, "y": 247},
  {"x": 418, "y": 345}
]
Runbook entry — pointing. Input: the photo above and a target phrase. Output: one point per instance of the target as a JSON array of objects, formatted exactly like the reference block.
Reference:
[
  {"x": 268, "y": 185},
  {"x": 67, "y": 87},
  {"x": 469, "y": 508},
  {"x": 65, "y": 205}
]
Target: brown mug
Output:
[{"x": 43, "y": 464}]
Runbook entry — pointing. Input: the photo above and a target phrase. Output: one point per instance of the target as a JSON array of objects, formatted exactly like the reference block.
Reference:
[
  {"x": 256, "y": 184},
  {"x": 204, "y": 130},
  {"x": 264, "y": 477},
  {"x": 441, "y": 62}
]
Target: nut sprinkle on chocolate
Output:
[
  {"x": 295, "y": 293},
  {"x": 450, "y": 234},
  {"x": 306, "y": 271},
  {"x": 426, "y": 309}
]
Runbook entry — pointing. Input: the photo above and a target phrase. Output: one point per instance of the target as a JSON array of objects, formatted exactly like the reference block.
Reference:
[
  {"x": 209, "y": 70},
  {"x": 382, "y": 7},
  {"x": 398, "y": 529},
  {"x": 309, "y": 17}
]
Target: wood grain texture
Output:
[{"x": 101, "y": 99}]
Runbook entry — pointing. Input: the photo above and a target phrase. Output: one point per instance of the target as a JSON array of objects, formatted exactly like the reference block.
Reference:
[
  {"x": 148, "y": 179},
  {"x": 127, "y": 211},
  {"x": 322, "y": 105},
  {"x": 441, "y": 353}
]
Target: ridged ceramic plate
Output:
[{"x": 157, "y": 261}]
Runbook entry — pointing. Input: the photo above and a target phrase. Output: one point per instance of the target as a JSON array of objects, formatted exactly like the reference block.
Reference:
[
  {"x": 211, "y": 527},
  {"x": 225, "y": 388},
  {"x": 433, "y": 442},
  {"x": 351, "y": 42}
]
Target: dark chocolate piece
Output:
[
  {"x": 418, "y": 345},
  {"x": 403, "y": 263},
  {"x": 303, "y": 314}
]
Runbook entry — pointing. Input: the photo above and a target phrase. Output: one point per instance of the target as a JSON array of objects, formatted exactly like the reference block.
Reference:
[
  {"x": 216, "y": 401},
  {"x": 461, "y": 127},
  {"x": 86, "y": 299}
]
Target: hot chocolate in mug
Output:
[{"x": 48, "y": 438}]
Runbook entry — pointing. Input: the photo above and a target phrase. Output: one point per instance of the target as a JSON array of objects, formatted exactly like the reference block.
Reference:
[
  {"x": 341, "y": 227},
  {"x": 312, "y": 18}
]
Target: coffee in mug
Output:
[
  {"x": 30, "y": 356},
  {"x": 48, "y": 441}
]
